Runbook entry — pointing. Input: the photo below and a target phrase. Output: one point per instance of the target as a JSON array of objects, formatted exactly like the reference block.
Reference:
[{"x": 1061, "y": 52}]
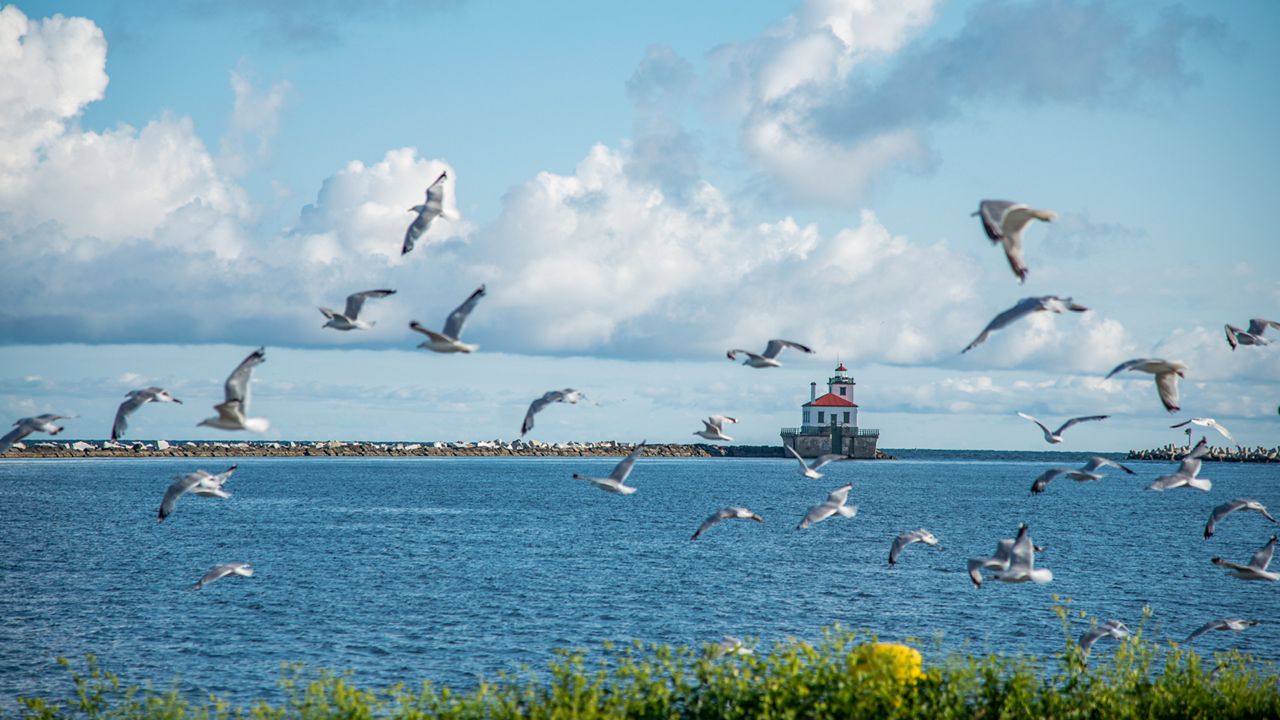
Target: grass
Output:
[{"x": 843, "y": 675}]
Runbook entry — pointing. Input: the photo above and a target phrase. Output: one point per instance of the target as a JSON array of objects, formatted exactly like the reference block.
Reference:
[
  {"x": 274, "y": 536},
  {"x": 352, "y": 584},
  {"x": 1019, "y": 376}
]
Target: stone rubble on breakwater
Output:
[
  {"x": 339, "y": 448},
  {"x": 1173, "y": 452}
]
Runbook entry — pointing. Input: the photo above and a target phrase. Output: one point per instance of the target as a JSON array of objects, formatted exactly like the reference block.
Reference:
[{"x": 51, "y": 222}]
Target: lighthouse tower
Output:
[
  {"x": 829, "y": 423},
  {"x": 836, "y": 407}
]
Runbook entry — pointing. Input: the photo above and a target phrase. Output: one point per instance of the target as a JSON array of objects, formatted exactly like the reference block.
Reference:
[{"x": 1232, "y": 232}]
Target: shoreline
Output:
[{"x": 1174, "y": 453}]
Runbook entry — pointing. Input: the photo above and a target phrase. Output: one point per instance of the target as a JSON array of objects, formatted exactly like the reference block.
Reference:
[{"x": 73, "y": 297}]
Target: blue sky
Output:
[{"x": 640, "y": 187}]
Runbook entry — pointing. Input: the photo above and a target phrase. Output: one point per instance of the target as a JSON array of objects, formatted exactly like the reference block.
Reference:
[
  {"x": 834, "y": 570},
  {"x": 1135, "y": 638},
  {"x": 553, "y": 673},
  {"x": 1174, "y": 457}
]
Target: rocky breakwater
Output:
[
  {"x": 340, "y": 448},
  {"x": 1219, "y": 454}
]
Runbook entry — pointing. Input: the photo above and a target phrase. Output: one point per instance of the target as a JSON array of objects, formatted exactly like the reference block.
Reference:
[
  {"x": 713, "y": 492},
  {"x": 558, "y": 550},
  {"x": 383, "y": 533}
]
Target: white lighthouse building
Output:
[{"x": 829, "y": 423}]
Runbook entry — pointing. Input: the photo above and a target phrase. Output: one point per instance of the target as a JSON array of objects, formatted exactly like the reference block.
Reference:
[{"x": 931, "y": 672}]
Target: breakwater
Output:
[
  {"x": 1219, "y": 454},
  {"x": 341, "y": 448}
]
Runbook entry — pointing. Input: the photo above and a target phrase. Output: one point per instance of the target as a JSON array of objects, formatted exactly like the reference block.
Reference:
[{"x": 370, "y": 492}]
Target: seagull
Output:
[
  {"x": 233, "y": 412},
  {"x": 714, "y": 429},
  {"x": 1227, "y": 508},
  {"x": 921, "y": 535},
  {"x": 770, "y": 353},
  {"x": 1252, "y": 336},
  {"x": 1167, "y": 373},
  {"x": 1111, "y": 628},
  {"x": 1187, "y": 472},
  {"x": 1084, "y": 474},
  {"x": 730, "y": 645},
  {"x": 447, "y": 341},
  {"x": 617, "y": 480},
  {"x": 1022, "y": 562},
  {"x": 217, "y": 572},
  {"x": 1055, "y": 437},
  {"x": 198, "y": 483},
  {"x": 811, "y": 470},
  {"x": 1208, "y": 423},
  {"x": 568, "y": 395},
  {"x": 729, "y": 513},
  {"x": 1004, "y": 222},
  {"x": 999, "y": 561},
  {"x": 138, "y": 398},
  {"x": 1025, "y": 306},
  {"x": 28, "y": 425},
  {"x": 433, "y": 208},
  {"x": 347, "y": 319},
  {"x": 833, "y": 505},
  {"x": 1257, "y": 567},
  {"x": 1235, "y": 624}
]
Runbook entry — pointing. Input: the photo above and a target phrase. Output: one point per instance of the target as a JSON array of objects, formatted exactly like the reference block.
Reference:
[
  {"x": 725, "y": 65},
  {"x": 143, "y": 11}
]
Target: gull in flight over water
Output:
[
  {"x": 915, "y": 536},
  {"x": 1252, "y": 336},
  {"x": 428, "y": 211},
  {"x": 999, "y": 561},
  {"x": 1187, "y": 472},
  {"x": 1111, "y": 628},
  {"x": 714, "y": 429},
  {"x": 833, "y": 505},
  {"x": 1025, "y": 306},
  {"x": 567, "y": 395},
  {"x": 1004, "y": 222},
  {"x": 732, "y": 512},
  {"x": 617, "y": 480},
  {"x": 811, "y": 470},
  {"x": 1208, "y": 423},
  {"x": 730, "y": 645},
  {"x": 1227, "y": 508},
  {"x": 28, "y": 425},
  {"x": 234, "y": 410},
  {"x": 1022, "y": 562},
  {"x": 1235, "y": 624},
  {"x": 1257, "y": 567},
  {"x": 197, "y": 483},
  {"x": 768, "y": 359},
  {"x": 1084, "y": 474},
  {"x": 1055, "y": 436},
  {"x": 217, "y": 572},
  {"x": 348, "y": 319},
  {"x": 449, "y": 339},
  {"x": 1167, "y": 373},
  {"x": 138, "y": 398}
]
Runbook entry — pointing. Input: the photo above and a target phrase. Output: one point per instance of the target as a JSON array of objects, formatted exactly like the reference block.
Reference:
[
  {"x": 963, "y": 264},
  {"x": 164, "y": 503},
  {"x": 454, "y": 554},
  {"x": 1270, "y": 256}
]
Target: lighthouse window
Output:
[
  {"x": 806, "y": 417},
  {"x": 842, "y": 390},
  {"x": 820, "y": 414},
  {"x": 846, "y": 418}
]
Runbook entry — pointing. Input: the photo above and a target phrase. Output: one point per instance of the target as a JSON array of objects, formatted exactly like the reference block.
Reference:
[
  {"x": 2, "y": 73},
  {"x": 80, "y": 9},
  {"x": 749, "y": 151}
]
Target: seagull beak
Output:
[{"x": 177, "y": 401}]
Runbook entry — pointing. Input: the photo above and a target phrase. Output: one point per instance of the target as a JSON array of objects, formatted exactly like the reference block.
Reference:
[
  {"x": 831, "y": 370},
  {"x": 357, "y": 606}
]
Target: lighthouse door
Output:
[{"x": 837, "y": 438}]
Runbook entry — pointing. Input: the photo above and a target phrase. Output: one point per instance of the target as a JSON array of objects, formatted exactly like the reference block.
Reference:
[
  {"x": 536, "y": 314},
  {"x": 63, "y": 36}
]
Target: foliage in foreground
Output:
[{"x": 840, "y": 676}]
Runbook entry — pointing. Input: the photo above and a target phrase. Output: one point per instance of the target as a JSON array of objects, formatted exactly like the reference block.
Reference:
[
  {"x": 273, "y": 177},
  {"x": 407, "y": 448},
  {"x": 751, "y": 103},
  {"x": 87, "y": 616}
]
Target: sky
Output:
[{"x": 640, "y": 187}]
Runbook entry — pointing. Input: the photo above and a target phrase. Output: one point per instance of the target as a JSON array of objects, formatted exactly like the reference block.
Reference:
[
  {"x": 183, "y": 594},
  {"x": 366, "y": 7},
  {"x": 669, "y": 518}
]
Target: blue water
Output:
[{"x": 455, "y": 569}]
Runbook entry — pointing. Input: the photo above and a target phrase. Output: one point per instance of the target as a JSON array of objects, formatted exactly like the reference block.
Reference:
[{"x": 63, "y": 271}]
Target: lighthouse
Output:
[{"x": 829, "y": 423}]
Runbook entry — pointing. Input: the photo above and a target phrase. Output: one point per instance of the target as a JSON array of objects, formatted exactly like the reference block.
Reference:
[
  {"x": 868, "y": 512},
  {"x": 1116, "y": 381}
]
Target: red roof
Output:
[
  {"x": 830, "y": 400},
  {"x": 842, "y": 368}
]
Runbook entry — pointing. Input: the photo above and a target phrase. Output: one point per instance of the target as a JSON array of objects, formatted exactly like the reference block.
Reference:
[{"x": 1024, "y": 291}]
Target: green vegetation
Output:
[{"x": 841, "y": 676}]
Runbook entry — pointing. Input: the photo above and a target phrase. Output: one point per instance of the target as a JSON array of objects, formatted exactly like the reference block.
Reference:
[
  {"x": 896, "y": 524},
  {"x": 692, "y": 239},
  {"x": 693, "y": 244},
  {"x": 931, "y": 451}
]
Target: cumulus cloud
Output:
[{"x": 255, "y": 118}]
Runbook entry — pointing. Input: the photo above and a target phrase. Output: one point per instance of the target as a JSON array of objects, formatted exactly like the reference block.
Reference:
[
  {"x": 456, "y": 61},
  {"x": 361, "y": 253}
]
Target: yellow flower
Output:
[{"x": 903, "y": 663}]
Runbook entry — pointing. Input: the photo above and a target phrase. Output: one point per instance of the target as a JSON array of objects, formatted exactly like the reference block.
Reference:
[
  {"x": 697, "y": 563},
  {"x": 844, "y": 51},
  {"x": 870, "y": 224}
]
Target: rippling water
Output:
[{"x": 451, "y": 569}]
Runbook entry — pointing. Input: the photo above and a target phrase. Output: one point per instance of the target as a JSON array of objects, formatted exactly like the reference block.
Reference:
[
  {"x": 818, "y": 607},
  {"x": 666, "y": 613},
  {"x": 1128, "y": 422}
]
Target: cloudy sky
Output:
[{"x": 641, "y": 186}]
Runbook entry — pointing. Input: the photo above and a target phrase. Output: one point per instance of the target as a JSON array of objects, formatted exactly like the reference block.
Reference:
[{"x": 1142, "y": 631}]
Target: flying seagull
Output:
[
  {"x": 770, "y": 353},
  {"x": 1084, "y": 474},
  {"x": 28, "y": 425},
  {"x": 999, "y": 561},
  {"x": 1236, "y": 624},
  {"x": 617, "y": 480},
  {"x": 448, "y": 340},
  {"x": 1025, "y": 306},
  {"x": 729, "y": 513},
  {"x": 217, "y": 572},
  {"x": 348, "y": 318},
  {"x": 1227, "y": 508},
  {"x": 714, "y": 429},
  {"x": 833, "y": 505},
  {"x": 433, "y": 208},
  {"x": 1167, "y": 373},
  {"x": 1004, "y": 222},
  {"x": 234, "y": 410},
  {"x": 197, "y": 483},
  {"x": 905, "y": 539},
  {"x": 1208, "y": 423},
  {"x": 1187, "y": 472},
  {"x": 138, "y": 398},
  {"x": 1022, "y": 562},
  {"x": 1257, "y": 567},
  {"x": 730, "y": 645},
  {"x": 568, "y": 395},
  {"x": 811, "y": 470},
  {"x": 1111, "y": 628},
  {"x": 1054, "y": 437},
  {"x": 1252, "y": 336}
]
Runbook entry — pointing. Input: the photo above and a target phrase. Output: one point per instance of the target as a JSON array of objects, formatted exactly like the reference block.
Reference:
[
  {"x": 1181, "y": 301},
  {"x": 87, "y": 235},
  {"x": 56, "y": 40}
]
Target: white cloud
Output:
[{"x": 255, "y": 119}]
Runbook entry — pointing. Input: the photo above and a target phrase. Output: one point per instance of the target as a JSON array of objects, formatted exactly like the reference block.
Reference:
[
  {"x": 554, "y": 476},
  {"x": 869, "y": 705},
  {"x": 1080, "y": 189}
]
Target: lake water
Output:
[{"x": 453, "y": 569}]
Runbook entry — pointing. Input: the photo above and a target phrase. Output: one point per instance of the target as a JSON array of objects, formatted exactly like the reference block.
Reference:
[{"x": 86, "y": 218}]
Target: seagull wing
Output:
[
  {"x": 237, "y": 386},
  {"x": 1258, "y": 326},
  {"x": 1232, "y": 332},
  {"x": 535, "y": 407},
  {"x": 355, "y": 301},
  {"x": 623, "y": 469},
  {"x": 1225, "y": 433},
  {"x": 435, "y": 196},
  {"x": 1042, "y": 482},
  {"x": 1025, "y": 416},
  {"x": 1200, "y": 450},
  {"x": 719, "y": 420},
  {"x": 20, "y": 432},
  {"x": 824, "y": 460},
  {"x": 1025, "y": 307},
  {"x": 328, "y": 312},
  {"x": 1073, "y": 421},
  {"x": 453, "y": 325},
  {"x": 176, "y": 490},
  {"x": 1262, "y": 558},
  {"x": 817, "y": 513},
  {"x": 716, "y": 517},
  {"x": 135, "y": 401},
  {"x": 992, "y": 214},
  {"x": 1207, "y": 627},
  {"x": 414, "y": 231},
  {"x": 796, "y": 455},
  {"x": 775, "y": 346},
  {"x": 1167, "y": 387},
  {"x": 1013, "y": 253},
  {"x": 1127, "y": 365},
  {"x": 1221, "y": 512},
  {"x": 1097, "y": 462},
  {"x": 900, "y": 542},
  {"x": 840, "y": 495}
]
